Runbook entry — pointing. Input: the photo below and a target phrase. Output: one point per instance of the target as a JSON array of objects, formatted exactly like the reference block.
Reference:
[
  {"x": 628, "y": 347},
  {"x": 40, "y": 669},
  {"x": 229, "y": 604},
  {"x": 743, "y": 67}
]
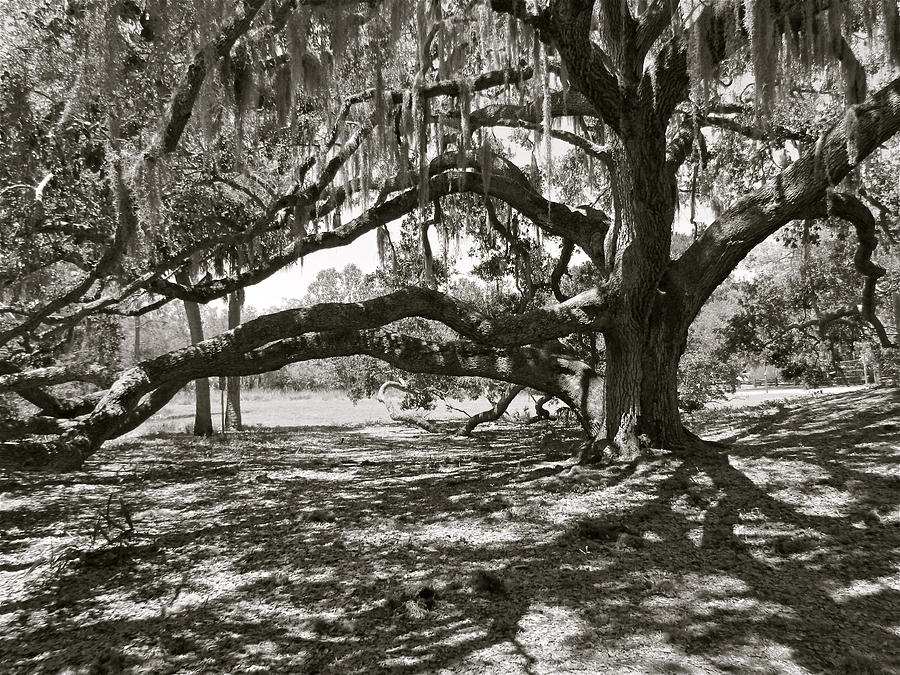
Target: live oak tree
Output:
[{"x": 308, "y": 124}]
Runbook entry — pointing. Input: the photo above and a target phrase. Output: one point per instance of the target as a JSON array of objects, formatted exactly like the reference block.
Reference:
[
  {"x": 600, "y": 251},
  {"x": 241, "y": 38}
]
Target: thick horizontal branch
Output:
[
  {"x": 527, "y": 117},
  {"x": 451, "y": 87},
  {"x": 568, "y": 104},
  {"x": 544, "y": 368},
  {"x": 587, "y": 311},
  {"x": 771, "y": 132}
]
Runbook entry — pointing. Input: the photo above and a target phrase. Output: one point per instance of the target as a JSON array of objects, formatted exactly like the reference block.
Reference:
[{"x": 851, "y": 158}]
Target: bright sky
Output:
[{"x": 293, "y": 281}]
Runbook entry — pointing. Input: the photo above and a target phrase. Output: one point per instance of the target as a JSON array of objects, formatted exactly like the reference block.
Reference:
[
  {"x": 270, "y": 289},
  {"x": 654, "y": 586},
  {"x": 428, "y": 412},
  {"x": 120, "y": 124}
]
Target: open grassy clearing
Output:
[
  {"x": 262, "y": 408},
  {"x": 378, "y": 548}
]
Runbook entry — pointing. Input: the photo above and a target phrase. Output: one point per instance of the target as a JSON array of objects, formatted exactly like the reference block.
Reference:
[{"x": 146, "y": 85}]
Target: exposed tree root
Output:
[
  {"x": 691, "y": 446},
  {"x": 687, "y": 445}
]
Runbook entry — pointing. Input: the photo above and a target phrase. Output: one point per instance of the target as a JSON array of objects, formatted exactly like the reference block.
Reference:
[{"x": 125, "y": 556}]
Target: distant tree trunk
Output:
[
  {"x": 137, "y": 339},
  {"x": 897, "y": 318},
  {"x": 203, "y": 425},
  {"x": 233, "y": 384}
]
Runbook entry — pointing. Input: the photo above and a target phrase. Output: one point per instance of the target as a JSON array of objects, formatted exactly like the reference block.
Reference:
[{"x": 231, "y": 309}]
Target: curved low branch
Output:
[
  {"x": 251, "y": 345},
  {"x": 851, "y": 209},
  {"x": 495, "y": 412}
]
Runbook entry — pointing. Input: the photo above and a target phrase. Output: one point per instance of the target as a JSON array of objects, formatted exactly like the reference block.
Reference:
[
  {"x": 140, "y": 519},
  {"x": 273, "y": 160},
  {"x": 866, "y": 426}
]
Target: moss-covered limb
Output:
[
  {"x": 126, "y": 226},
  {"x": 181, "y": 103},
  {"x": 583, "y": 226}
]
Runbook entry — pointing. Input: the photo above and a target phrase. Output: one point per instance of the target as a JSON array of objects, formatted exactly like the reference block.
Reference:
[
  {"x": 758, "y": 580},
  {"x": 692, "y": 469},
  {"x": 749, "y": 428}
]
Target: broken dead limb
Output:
[{"x": 397, "y": 412}]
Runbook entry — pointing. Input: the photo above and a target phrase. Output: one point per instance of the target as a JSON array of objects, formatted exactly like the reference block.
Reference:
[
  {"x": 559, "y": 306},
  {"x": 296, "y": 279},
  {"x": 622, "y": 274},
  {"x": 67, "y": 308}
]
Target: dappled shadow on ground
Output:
[{"x": 384, "y": 549}]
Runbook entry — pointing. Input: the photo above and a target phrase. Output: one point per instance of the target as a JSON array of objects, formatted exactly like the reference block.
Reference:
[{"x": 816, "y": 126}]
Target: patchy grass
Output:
[{"x": 380, "y": 549}]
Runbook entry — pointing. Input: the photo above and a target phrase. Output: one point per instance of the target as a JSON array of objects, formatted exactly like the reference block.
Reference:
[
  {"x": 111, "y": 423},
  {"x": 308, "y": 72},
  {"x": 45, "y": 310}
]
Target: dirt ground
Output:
[{"x": 376, "y": 548}]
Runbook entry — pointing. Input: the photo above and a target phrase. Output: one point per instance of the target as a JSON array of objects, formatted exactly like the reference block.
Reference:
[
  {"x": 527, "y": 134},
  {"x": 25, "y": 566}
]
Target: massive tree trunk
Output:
[
  {"x": 203, "y": 425},
  {"x": 642, "y": 386},
  {"x": 645, "y": 342},
  {"x": 233, "y": 420}
]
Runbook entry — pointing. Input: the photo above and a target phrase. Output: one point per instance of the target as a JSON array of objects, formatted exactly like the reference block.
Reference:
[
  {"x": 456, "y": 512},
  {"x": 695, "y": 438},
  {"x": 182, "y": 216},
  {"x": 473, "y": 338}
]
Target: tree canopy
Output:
[{"x": 153, "y": 151}]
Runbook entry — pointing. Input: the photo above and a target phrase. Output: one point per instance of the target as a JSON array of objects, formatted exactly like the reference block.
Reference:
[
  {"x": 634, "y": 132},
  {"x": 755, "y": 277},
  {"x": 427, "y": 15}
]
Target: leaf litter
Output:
[{"x": 381, "y": 549}]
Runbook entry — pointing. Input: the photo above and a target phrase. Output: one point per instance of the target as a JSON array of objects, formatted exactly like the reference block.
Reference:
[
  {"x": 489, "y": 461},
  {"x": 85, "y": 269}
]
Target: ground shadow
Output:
[{"x": 383, "y": 549}]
